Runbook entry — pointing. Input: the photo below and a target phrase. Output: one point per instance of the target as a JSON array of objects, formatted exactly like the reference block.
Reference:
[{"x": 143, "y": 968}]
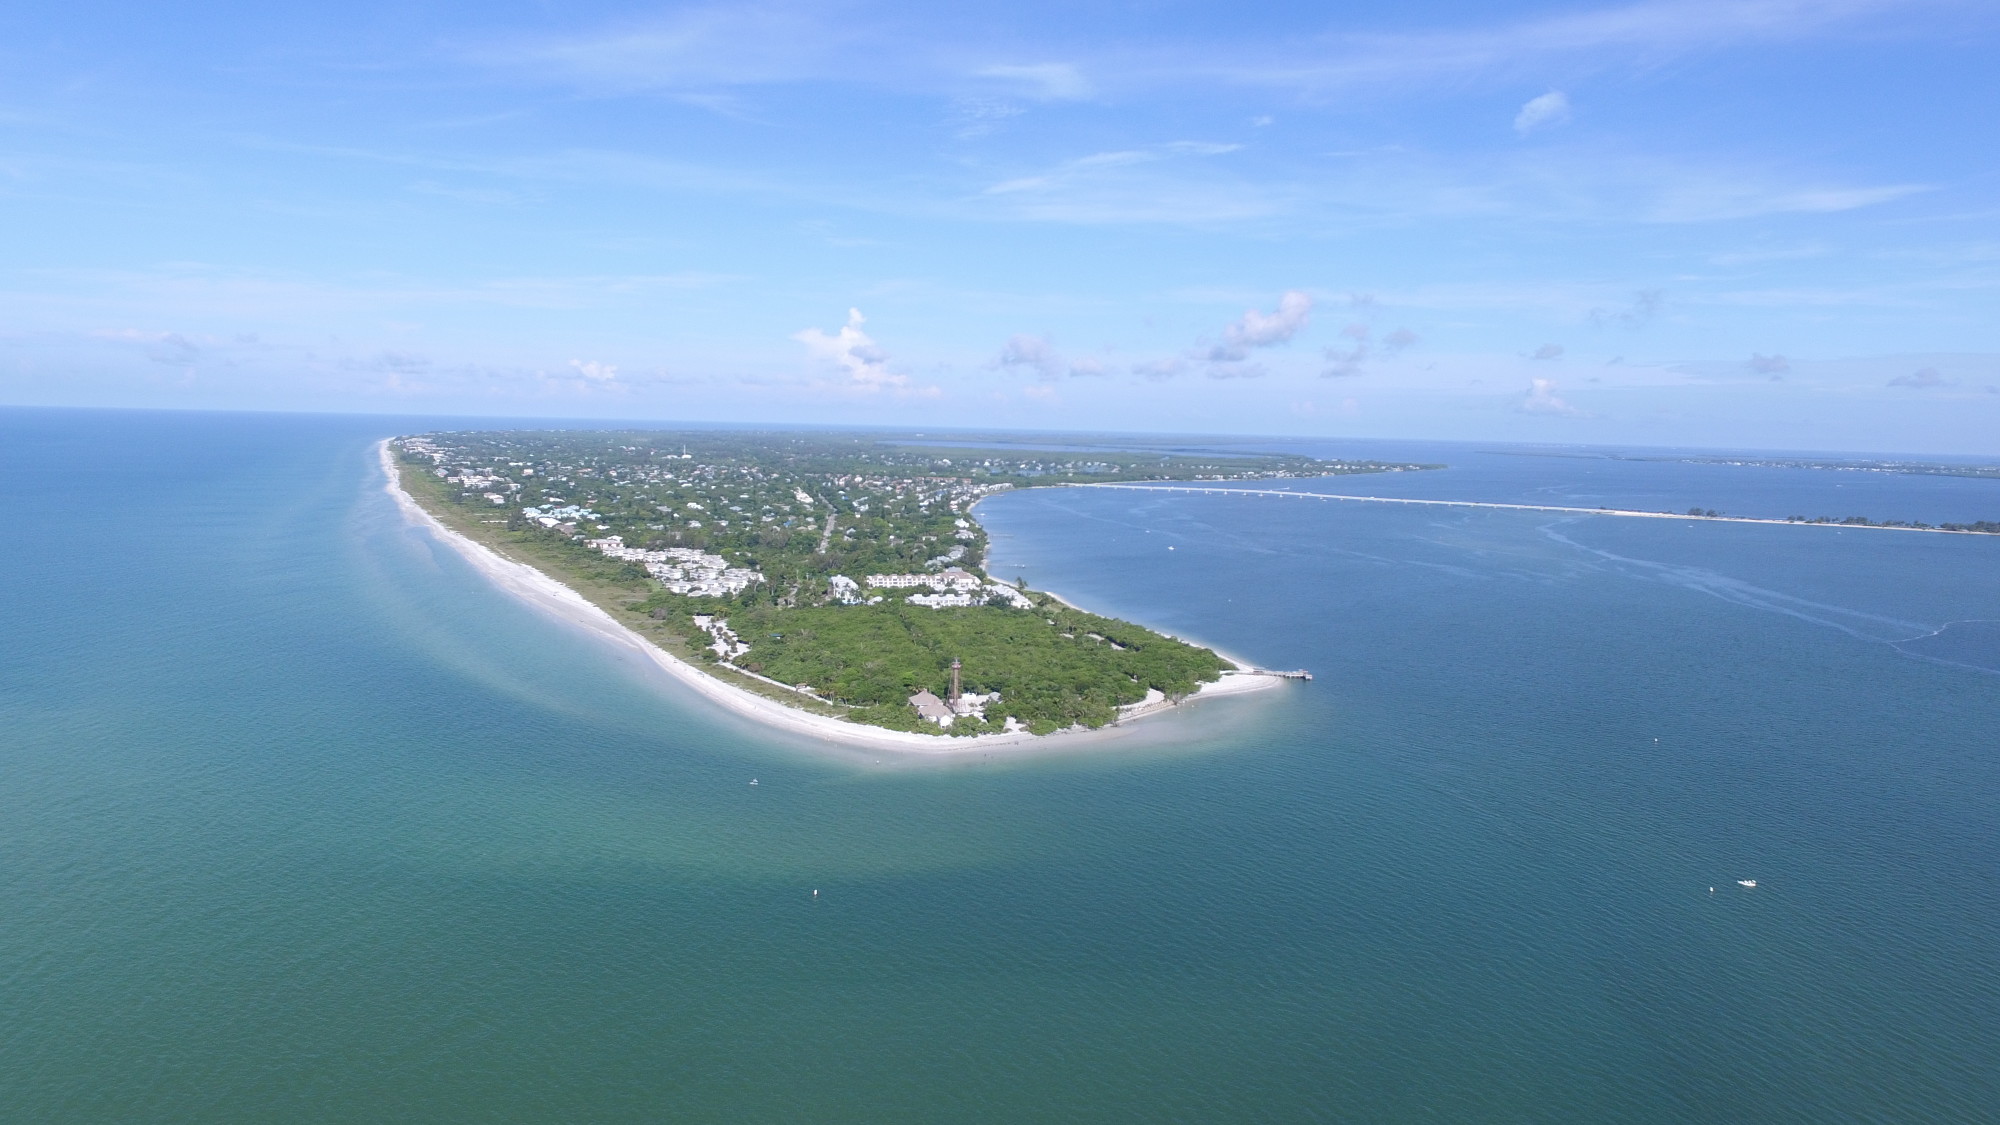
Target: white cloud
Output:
[
  {"x": 1256, "y": 329},
  {"x": 854, "y": 352},
  {"x": 707, "y": 46},
  {"x": 1542, "y": 399},
  {"x": 1700, "y": 199},
  {"x": 1040, "y": 356},
  {"x": 174, "y": 350},
  {"x": 976, "y": 117},
  {"x": 170, "y": 349},
  {"x": 1551, "y": 108},
  {"x": 1350, "y": 359},
  {"x": 1345, "y": 361},
  {"x": 1648, "y": 32},
  {"x": 1170, "y": 183},
  {"x": 1923, "y": 379},
  {"x": 594, "y": 371},
  {"x": 1645, "y": 304},
  {"x": 388, "y": 363},
  {"x": 1031, "y": 351},
  {"x": 1262, "y": 330},
  {"x": 713, "y": 46},
  {"x": 1048, "y": 81}
]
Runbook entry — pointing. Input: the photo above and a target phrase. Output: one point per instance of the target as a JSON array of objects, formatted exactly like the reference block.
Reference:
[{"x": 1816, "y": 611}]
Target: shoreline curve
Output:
[{"x": 547, "y": 594}]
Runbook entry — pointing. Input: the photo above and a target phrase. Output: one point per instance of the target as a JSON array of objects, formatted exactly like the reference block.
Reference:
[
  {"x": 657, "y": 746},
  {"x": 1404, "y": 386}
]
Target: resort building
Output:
[{"x": 682, "y": 570}]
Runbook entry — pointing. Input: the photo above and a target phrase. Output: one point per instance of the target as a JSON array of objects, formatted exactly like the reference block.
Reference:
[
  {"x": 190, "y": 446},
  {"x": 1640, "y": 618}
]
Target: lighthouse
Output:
[{"x": 954, "y": 684}]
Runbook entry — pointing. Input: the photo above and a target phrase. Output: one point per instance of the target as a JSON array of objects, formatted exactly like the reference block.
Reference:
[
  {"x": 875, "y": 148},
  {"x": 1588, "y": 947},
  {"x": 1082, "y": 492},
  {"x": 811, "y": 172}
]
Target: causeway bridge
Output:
[{"x": 1630, "y": 513}]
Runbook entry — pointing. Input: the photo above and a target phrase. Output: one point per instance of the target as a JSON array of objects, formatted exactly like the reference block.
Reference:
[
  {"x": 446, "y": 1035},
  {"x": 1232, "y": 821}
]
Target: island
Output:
[{"x": 839, "y": 577}]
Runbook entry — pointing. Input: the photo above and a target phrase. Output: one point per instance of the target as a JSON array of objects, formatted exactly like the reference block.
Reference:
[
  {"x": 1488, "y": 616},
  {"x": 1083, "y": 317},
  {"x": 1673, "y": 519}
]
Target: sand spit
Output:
[{"x": 551, "y": 596}]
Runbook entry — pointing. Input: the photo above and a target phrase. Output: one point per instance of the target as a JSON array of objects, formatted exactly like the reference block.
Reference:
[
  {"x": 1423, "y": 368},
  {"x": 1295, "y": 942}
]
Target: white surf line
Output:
[{"x": 1627, "y": 512}]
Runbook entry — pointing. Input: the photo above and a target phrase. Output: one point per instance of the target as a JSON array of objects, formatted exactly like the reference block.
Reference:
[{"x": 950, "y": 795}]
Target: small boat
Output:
[
  {"x": 753, "y": 781},
  {"x": 1746, "y": 882}
]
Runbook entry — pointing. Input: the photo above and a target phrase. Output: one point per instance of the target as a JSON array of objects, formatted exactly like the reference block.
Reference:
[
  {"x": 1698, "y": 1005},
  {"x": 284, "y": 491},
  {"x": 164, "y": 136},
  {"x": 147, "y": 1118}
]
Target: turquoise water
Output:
[{"x": 301, "y": 821}]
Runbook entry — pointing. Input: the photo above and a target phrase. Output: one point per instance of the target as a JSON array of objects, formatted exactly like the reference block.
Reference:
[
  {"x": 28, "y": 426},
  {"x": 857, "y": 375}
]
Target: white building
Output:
[
  {"x": 953, "y": 579},
  {"x": 682, "y": 570}
]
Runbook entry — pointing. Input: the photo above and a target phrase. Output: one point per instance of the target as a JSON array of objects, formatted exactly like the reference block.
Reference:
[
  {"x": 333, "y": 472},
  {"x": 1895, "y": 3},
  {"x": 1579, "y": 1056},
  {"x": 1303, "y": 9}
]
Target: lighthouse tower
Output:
[{"x": 954, "y": 684}]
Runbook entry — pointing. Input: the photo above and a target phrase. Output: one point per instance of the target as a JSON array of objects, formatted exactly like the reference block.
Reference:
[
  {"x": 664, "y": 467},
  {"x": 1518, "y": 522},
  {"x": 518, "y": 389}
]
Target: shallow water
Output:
[{"x": 302, "y": 821}]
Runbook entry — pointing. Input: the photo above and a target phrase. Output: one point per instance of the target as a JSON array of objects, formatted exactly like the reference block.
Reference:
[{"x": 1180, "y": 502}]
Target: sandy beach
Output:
[{"x": 547, "y": 594}]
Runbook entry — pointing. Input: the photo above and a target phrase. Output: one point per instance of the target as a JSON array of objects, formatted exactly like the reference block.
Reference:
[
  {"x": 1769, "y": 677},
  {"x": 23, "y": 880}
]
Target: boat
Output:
[{"x": 1746, "y": 882}]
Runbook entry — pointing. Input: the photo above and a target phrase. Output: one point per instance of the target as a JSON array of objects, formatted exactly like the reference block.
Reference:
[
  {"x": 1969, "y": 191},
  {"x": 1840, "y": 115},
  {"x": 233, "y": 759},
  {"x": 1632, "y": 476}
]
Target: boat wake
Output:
[{"x": 1970, "y": 644}]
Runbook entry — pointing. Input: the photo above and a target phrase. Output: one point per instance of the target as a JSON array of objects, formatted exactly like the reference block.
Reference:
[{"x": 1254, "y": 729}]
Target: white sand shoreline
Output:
[{"x": 545, "y": 593}]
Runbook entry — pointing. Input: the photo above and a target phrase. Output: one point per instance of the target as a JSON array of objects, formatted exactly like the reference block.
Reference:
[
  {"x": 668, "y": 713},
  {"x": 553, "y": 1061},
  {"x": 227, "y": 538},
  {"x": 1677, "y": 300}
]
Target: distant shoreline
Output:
[
  {"x": 1626, "y": 513},
  {"x": 544, "y": 592}
]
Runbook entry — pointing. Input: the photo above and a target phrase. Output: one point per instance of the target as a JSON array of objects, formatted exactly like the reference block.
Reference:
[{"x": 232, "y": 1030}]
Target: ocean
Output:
[{"x": 300, "y": 820}]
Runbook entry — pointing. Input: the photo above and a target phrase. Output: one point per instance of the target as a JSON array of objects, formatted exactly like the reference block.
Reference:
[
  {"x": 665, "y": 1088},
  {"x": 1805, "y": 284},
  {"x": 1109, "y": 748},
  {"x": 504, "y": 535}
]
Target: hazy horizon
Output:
[{"x": 424, "y": 421}]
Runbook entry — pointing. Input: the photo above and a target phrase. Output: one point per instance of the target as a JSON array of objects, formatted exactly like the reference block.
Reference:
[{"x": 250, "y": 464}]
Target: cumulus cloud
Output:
[
  {"x": 1772, "y": 365},
  {"x": 173, "y": 349},
  {"x": 1546, "y": 352},
  {"x": 1257, "y": 329},
  {"x": 1344, "y": 360},
  {"x": 1924, "y": 379},
  {"x": 854, "y": 352},
  {"x": 389, "y": 363},
  {"x": 1550, "y": 109},
  {"x": 1640, "y": 312},
  {"x": 1033, "y": 352},
  {"x": 594, "y": 371},
  {"x": 1263, "y": 330},
  {"x": 1038, "y": 355},
  {"x": 170, "y": 348},
  {"x": 1350, "y": 358},
  {"x": 1542, "y": 399}
]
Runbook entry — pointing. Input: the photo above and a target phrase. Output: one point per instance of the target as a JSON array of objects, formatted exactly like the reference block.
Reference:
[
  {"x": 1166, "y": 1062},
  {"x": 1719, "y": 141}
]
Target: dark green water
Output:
[{"x": 300, "y": 821}]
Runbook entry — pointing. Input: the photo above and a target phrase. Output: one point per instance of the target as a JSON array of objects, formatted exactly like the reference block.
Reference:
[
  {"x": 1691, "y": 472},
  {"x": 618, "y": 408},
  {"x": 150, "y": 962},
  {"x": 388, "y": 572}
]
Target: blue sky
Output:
[{"x": 1754, "y": 222}]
